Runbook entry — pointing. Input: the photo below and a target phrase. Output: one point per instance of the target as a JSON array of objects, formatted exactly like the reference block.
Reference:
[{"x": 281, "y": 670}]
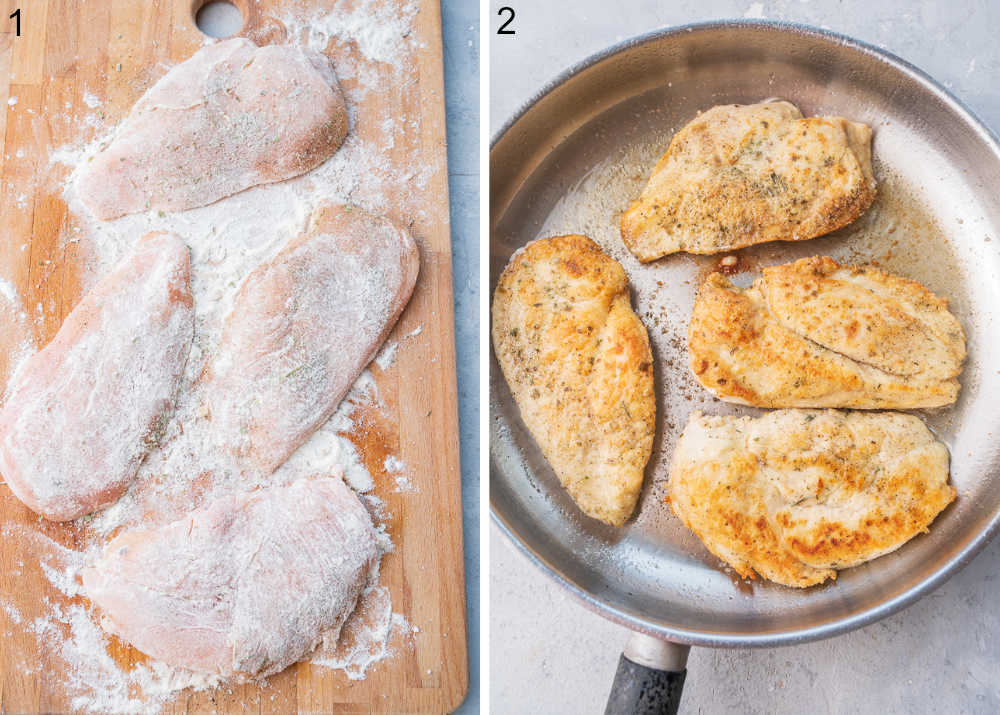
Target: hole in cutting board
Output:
[{"x": 219, "y": 18}]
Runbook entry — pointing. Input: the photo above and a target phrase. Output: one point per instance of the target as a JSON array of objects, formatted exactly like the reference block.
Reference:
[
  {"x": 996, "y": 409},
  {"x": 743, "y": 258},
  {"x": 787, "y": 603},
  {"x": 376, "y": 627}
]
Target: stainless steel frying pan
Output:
[{"x": 574, "y": 157}]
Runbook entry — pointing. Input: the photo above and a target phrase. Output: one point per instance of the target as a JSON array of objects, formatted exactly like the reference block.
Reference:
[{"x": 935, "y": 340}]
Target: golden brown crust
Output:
[
  {"x": 816, "y": 334},
  {"x": 797, "y": 494},
  {"x": 868, "y": 315},
  {"x": 578, "y": 362},
  {"x": 738, "y": 175}
]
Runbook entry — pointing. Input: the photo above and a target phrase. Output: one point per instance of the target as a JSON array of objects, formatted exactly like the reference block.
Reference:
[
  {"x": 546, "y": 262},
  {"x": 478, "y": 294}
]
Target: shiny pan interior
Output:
[{"x": 572, "y": 159}]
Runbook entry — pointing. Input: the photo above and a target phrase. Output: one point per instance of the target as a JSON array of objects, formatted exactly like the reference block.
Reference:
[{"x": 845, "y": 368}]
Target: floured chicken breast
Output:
[
  {"x": 814, "y": 333},
  {"x": 797, "y": 494},
  {"x": 744, "y": 174},
  {"x": 303, "y": 327},
  {"x": 578, "y": 363},
  {"x": 243, "y": 587},
  {"x": 231, "y": 116},
  {"x": 83, "y": 412}
]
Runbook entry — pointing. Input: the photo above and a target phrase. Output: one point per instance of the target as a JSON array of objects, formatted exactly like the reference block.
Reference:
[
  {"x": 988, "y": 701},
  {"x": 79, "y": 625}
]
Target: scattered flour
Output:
[
  {"x": 14, "y": 318},
  {"x": 329, "y": 450},
  {"x": 8, "y": 291},
  {"x": 64, "y": 579},
  {"x": 381, "y": 30},
  {"x": 403, "y": 484},
  {"x": 387, "y": 355},
  {"x": 228, "y": 240},
  {"x": 12, "y": 613},
  {"x": 389, "y": 131},
  {"x": 91, "y": 99},
  {"x": 59, "y": 564},
  {"x": 12, "y": 101},
  {"x": 367, "y": 636},
  {"x": 95, "y": 681},
  {"x": 395, "y": 468}
]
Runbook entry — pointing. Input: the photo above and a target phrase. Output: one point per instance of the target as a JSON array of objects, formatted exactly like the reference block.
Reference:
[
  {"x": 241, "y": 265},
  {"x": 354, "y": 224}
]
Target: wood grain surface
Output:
[{"x": 115, "y": 49}]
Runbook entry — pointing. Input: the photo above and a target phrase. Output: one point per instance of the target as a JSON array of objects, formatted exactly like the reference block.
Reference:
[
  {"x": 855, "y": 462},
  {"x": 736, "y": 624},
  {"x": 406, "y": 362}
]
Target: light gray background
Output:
[
  {"x": 942, "y": 655},
  {"x": 460, "y": 31}
]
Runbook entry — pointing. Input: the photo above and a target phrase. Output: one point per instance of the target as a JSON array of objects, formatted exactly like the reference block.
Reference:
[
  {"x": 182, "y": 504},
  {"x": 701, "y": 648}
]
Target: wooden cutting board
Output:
[{"x": 69, "y": 52}]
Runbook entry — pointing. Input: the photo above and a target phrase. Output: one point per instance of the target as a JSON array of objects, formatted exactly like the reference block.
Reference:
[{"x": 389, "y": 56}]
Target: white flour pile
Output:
[
  {"x": 228, "y": 240},
  {"x": 380, "y": 30},
  {"x": 13, "y": 314},
  {"x": 366, "y": 636}
]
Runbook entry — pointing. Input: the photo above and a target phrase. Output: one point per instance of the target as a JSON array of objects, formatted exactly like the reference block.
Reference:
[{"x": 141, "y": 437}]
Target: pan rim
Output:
[{"x": 796, "y": 635}]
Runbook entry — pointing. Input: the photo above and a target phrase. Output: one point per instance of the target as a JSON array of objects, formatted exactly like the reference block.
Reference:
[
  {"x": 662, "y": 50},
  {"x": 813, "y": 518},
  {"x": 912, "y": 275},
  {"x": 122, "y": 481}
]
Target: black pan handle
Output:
[{"x": 650, "y": 677}]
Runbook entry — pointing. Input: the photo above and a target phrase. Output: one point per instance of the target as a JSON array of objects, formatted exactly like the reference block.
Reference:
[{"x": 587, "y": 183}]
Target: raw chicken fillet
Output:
[
  {"x": 232, "y": 116},
  {"x": 82, "y": 414},
  {"x": 303, "y": 327},
  {"x": 244, "y": 587}
]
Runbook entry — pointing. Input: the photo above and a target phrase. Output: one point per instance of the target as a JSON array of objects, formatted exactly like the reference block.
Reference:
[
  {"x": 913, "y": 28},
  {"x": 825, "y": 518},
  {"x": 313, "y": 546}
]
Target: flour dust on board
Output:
[{"x": 372, "y": 44}]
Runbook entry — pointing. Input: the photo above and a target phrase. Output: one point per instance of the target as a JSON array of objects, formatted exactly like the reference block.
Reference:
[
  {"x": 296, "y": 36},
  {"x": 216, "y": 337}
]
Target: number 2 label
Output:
[{"x": 507, "y": 12}]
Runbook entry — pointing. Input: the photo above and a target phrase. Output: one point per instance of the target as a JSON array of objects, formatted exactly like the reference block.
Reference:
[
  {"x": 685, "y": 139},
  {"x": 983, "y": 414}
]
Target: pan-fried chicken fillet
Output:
[
  {"x": 245, "y": 586},
  {"x": 303, "y": 327},
  {"x": 578, "y": 363},
  {"x": 82, "y": 414},
  {"x": 814, "y": 333},
  {"x": 797, "y": 494},
  {"x": 231, "y": 116},
  {"x": 744, "y": 174}
]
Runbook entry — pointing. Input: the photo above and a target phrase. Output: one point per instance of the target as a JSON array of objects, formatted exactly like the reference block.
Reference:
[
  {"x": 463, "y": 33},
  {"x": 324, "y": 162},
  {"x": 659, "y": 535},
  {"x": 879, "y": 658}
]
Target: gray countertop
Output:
[
  {"x": 460, "y": 34},
  {"x": 550, "y": 655}
]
